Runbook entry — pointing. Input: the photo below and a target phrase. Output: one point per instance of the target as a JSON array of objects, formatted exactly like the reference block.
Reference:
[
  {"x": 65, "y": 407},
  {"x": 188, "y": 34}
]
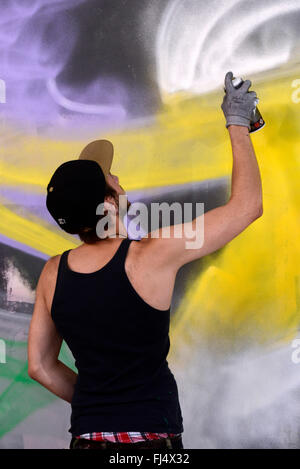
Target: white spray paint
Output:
[
  {"x": 2, "y": 92},
  {"x": 17, "y": 288},
  {"x": 198, "y": 42},
  {"x": 245, "y": 399}
]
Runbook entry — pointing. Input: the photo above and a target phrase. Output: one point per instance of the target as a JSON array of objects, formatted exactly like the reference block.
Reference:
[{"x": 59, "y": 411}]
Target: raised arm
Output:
[{"x": 224, "y": 223}]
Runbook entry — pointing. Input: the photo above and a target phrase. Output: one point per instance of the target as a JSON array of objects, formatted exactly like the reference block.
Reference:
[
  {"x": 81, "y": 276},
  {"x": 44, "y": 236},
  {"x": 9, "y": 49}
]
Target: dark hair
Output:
[{"x": 89, "y": 235}]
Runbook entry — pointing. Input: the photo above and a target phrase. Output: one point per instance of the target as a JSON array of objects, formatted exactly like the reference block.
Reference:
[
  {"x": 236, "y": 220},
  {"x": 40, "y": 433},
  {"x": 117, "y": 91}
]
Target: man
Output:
[{"x": 109, "y": 298}]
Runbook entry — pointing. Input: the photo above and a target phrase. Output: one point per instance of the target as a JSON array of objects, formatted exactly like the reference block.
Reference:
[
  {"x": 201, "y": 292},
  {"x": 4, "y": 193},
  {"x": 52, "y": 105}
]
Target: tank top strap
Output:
[
  {"x": 121, "y": 253},
  {"x": 63, "y": 266}
]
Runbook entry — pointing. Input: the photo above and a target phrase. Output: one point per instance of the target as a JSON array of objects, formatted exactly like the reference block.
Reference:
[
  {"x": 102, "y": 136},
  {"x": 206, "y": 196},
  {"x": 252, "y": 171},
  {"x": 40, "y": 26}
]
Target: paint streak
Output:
[
  {"x": 22, "y": 396},
  {"x": 197, "y": 43},
  {"x": 25, "y": 231}
]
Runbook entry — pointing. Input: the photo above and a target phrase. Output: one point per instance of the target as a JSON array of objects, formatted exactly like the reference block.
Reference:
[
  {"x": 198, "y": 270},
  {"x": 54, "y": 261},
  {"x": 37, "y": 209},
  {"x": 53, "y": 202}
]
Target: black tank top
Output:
[{"x": 120, "y": 345}]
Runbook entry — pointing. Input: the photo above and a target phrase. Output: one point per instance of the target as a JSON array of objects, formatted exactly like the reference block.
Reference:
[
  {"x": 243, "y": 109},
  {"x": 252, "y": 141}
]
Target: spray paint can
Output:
[{"x": 257, "y": 122}]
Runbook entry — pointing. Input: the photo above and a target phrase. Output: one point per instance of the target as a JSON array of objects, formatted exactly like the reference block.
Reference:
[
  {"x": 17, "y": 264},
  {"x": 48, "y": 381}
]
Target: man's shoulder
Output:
[
  {"x": 52, "y": 263},
  {"x": 151, "y": 249},
  {"x": 50, "y": 269}
]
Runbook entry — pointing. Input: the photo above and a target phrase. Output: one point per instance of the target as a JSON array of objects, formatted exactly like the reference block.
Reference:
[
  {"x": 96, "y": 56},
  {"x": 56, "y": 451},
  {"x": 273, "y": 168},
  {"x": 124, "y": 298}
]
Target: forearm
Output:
[
  {"x": 246, "y": 186},
  {"x": 58, "y": 379}
]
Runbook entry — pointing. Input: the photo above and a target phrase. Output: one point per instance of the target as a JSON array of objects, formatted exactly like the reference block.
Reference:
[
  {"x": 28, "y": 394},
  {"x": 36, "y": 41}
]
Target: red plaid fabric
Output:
[{"x": 125, "y": 437}]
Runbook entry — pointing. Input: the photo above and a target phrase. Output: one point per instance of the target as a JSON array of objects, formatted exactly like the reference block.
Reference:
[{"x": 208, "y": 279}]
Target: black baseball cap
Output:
[{"x": 77, "y": 187}]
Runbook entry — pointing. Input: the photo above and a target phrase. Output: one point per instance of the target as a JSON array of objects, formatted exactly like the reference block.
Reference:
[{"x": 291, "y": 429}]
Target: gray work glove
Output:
[{"x": 238, "y": 104}]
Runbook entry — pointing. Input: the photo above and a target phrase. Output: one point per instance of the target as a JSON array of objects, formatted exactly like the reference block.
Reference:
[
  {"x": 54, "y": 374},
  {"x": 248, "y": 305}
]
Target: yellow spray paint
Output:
[{"x": 33, "y": 234}]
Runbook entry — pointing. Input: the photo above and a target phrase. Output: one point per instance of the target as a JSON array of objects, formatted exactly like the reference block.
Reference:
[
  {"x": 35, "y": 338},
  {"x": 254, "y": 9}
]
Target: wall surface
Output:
[{"x": 149, "y": 76}]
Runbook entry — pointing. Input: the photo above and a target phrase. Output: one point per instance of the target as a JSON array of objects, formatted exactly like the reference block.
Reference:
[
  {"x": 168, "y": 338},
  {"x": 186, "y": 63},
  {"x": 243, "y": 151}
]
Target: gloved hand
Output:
[{"x": 238, "y": 104}]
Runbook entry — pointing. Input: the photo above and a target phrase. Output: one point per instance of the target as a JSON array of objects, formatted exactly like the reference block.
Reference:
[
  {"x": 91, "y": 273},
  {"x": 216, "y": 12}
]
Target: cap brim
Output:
[{"x": 101, "y": 151}]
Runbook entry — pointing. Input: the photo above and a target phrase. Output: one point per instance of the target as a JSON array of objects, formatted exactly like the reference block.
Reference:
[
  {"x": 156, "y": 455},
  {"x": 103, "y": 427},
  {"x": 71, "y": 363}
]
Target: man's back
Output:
[
  {"x": 120, "y": 344},
  {"x": 152, "y": 279}
]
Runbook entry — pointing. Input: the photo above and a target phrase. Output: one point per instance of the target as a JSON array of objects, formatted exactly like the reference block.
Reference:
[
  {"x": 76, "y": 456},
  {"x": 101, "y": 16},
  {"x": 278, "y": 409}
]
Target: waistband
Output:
[{"x": 174, "y": 442}]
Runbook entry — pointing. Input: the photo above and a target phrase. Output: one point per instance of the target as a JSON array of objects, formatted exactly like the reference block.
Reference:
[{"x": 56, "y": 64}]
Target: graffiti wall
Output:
[{"x": 148, "y": 75}]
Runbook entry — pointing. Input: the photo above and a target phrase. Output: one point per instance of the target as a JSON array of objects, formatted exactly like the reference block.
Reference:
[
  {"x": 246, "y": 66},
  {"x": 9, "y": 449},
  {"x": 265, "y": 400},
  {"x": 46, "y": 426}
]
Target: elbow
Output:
[
  {"x": 256, "y": 212},
  {"x": 33, "y": 372},
  {"x": 259, "y": 210}
]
